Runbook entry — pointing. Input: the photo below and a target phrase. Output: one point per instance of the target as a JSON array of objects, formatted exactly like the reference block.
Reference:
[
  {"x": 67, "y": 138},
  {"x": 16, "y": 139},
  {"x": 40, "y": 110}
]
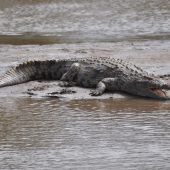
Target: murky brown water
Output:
[
  {"x": 90, "y": 134},
  {"x": 50, "y": 134}
]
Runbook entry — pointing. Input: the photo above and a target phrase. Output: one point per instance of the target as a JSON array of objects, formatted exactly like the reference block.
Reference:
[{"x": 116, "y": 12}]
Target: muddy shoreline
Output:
[{"x": 152, "y": 56}]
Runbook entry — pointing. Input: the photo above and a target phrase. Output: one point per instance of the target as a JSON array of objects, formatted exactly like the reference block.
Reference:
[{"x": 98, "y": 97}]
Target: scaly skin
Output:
[{"x": 103, "y": 73}]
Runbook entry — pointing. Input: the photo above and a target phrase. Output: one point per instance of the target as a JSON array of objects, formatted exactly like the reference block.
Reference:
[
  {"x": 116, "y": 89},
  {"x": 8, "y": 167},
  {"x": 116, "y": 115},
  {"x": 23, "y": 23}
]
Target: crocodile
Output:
[{"x": 100, "y": 73}]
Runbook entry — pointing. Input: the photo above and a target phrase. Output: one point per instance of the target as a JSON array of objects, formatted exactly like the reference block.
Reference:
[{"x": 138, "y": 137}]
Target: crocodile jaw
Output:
[{"x": 159, "y": 93}]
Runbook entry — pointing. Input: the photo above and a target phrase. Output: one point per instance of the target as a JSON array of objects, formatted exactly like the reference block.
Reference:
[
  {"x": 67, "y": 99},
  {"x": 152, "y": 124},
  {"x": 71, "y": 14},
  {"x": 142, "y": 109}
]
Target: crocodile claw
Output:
[{"x": 95, "y": 93}]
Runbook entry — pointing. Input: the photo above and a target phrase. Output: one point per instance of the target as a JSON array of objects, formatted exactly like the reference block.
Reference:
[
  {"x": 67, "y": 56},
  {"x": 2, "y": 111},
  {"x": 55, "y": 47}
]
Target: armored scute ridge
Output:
[{"x": 102, "y": 73}]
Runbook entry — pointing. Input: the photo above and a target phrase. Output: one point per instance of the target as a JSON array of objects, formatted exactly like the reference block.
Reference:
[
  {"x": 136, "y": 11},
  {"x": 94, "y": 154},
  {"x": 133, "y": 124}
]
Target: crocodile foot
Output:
[{"x": 95, "y": 93}]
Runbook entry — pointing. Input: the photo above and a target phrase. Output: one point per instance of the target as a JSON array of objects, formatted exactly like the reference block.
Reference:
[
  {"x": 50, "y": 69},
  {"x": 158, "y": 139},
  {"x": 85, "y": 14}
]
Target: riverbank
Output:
[{"x": 152, "y": 56}]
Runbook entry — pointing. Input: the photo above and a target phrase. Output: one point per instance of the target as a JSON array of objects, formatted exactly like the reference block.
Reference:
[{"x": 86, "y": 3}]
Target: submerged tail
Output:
[{"x": 24, "y": 72}]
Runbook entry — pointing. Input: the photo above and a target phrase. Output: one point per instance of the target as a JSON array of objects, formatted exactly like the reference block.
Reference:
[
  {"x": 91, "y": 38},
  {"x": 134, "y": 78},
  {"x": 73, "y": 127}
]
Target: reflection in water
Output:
[
  {"x": 125, "y": 106},
  {"x": 91, "y": 134}
]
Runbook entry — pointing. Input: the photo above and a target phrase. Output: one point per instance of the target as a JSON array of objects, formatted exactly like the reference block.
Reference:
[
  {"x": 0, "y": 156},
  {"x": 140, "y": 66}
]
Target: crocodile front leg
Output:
[
  {"x": 106, "y": 83},
  {"x": 67, "y": 78}
]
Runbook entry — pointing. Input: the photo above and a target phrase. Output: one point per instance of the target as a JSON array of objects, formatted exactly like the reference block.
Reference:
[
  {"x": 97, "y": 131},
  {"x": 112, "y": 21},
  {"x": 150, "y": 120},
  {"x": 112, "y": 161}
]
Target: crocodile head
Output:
[{"x": 150, "y": 87}]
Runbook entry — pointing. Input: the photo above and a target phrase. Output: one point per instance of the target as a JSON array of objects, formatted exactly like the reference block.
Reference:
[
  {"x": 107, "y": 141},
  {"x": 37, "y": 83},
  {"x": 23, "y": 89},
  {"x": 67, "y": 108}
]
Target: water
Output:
[
  {"x": 90, "y": 134},
  {"x": 83, "y": 21},
  {"x": 50, "y": 134}
]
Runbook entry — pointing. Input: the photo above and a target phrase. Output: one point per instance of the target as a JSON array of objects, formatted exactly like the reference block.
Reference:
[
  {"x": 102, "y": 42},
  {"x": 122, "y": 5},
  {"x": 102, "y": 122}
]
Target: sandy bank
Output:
[{"x": 152, "y": 56}]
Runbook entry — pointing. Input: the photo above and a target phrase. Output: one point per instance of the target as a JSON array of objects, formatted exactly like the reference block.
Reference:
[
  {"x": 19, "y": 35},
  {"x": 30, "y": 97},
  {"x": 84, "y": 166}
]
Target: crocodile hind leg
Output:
[
  {"x": 67, "y": 78},
  {"x": 105, "y": 84}
]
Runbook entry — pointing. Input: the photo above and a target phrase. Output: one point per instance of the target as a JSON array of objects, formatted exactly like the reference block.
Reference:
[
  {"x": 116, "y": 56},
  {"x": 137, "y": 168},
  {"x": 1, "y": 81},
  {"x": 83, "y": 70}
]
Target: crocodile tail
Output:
[{"x": 22, "y": 73}]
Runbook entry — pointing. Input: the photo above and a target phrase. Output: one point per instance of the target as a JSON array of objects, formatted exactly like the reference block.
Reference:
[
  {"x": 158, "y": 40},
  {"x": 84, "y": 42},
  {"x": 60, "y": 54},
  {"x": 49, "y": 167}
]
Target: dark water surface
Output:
[{"x": 90, "y": 134}]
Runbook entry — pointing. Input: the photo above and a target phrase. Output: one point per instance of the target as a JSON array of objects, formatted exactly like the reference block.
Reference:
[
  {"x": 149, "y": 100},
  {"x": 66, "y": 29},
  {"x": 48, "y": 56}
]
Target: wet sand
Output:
[{"x": 152, "y": 56}]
